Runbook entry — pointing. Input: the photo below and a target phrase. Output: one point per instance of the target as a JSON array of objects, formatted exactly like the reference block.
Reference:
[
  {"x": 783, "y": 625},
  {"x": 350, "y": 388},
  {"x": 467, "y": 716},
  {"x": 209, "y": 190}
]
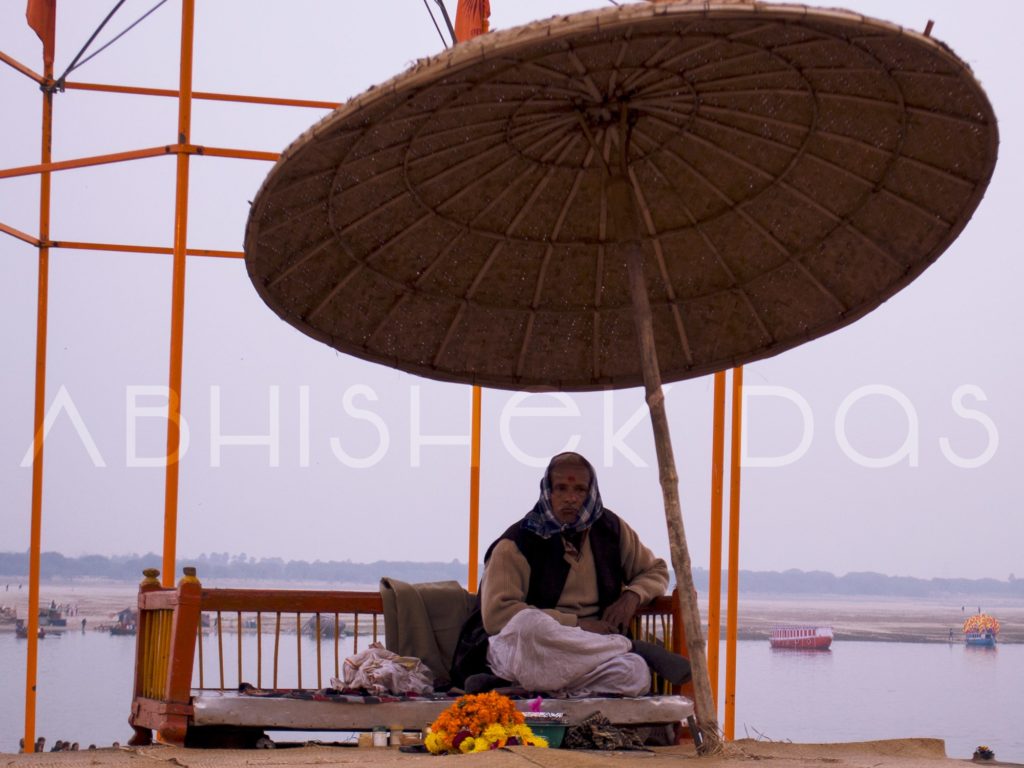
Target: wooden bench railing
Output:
[{"x": 177, "y": 655}]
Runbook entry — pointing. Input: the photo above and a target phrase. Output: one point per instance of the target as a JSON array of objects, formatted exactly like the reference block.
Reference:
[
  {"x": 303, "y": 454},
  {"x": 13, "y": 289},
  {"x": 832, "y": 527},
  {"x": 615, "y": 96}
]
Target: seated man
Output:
[{"x": 559, "y": 591}]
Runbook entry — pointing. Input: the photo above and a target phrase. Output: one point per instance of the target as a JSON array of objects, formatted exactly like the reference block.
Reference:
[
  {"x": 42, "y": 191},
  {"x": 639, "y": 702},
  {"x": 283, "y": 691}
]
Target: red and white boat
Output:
[{"x": 802, "y": 637}]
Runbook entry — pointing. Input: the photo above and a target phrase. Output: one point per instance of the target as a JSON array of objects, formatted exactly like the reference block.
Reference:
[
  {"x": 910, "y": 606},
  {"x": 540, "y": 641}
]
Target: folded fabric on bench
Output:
[{"x": 424, "y": 620}]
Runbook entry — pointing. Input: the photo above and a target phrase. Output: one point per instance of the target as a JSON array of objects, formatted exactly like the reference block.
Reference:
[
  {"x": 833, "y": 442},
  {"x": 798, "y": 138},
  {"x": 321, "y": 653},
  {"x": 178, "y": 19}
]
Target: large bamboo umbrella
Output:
[{"x": 623, "y": 196}]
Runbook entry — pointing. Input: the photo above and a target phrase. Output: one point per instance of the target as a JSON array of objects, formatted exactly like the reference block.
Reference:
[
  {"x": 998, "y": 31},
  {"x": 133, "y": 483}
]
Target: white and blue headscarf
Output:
[{"x": 542, "y": 520}]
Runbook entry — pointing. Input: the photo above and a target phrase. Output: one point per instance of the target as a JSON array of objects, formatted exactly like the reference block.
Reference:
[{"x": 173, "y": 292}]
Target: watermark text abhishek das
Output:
[{"x": 520, "y": 413}]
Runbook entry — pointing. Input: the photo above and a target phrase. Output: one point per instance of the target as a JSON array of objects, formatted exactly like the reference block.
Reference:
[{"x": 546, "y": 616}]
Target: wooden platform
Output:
[{"x": 226, "y": 708}]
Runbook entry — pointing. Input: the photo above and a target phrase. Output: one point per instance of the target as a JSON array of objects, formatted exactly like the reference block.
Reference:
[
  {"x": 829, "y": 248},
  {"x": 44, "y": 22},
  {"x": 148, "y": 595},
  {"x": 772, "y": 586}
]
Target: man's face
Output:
[{"x": 568, "y": 492}]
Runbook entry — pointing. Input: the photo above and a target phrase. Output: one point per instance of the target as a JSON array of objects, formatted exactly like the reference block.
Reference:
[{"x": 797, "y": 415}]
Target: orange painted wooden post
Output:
[
  {"x": 178, "y": 296},
  {"x": 184, "y": 629},
  {"x": 734, "y": 554},
  {"x": 715, "y": 564},
  {"x": 143, "y": 644}
]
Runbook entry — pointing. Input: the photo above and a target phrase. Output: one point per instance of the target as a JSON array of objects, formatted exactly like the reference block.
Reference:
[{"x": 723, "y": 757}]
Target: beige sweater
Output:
[{"x": 508, "y": 581}]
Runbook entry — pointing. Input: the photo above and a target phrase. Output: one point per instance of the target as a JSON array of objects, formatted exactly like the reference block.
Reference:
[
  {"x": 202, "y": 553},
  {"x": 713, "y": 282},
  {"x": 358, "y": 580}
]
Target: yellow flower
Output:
[
  {"x": 467, "y": 744},
  {"x": 495, "y": 733},
  {"x": 435, "y": 743}
]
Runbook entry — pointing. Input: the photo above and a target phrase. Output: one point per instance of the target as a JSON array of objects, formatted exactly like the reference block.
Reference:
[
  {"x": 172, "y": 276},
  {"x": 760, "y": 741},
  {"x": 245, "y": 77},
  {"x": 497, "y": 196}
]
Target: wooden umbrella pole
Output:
[{"x": 621, "y": 206}]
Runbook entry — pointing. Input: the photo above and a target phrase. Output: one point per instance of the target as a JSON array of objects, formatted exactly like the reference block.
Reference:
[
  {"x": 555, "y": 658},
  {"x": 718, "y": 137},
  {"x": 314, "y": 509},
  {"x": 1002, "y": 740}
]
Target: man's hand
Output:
[
  {"x": 597, "y": 626},
  {"x": 620, "y": 613}
]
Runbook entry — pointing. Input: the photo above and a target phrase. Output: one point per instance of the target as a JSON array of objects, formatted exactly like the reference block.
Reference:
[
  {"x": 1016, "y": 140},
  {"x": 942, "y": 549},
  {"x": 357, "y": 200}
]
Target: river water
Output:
[{"x": 856, "y": 691}]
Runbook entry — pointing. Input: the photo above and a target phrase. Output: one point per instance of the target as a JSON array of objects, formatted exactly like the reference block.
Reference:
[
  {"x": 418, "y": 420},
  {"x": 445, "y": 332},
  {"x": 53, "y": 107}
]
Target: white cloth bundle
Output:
[{"x": 380, "y": 671}]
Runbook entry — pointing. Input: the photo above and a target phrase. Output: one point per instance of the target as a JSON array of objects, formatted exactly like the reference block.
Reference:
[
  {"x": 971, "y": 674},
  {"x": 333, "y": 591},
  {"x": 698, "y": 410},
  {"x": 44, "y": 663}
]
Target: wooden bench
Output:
[{"x": 187, "y": 675}]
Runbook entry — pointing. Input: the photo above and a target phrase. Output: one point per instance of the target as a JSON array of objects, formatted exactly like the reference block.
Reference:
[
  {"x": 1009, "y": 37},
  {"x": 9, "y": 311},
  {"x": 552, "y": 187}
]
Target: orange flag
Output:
[
  {"x": 42, "y": 17},
  {"x": 471, "y": 19}
]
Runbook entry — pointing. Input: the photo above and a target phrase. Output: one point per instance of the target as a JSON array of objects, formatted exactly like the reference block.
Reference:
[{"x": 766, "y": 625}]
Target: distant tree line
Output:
[{"x": 222, "y": 565}]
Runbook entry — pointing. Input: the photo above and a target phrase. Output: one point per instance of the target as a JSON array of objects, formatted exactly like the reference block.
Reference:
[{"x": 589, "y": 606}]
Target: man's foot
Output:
[
  {"x": 671, "y": 666},
  {"x": 483, "y": 682}
]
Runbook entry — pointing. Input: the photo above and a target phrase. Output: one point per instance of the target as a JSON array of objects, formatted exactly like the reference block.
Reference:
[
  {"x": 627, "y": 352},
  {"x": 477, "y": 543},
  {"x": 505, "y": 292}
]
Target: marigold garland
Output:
[{"x": 479, "y": 722}]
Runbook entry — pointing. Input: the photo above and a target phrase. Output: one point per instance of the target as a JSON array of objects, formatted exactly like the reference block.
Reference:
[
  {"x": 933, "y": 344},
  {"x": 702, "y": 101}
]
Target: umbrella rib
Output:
[
  {"x": 338, "y": 288},
  {"x": 876, "y": 71},
  {"x": 739, "y": 208},
  {"x": 315, "y": 251},
  {"x": 669, "y": 95},
  {"x": 292, "y": 216},
  {"x": 635, "y": 80},
  {"x": 877, "y": 185},
  {"x": 568, "y": 142},
  {"x": 827, "y": 39},
  {"x": 736, "y": 287},
  {"x": 457, "y": 149},
  {"x": 946, "y": 116},
  {"x": 835, "y": 217},
  {"x": 595, "y": 92},
  {"x": 867, "y": 182},
  {"x": 366, "y": 257},
  {"x": 795, "y": 149},
  {"x": 449, "y": 334},
  {"x": 765, "y": 119},
  {"x": 445, "y": 173},
  {"x": 402, "y": 299},
  {"x": 806, "y": 129},
  {"x": 544, "y": 124},
  {"x": 760, "y": 52},
  {"x": 449, "y": 246},
  {"x": 614, "y": 76},
  {"x": 539, "y": 287},
  {"x": 659, "y": 254},
  {"x": 552, "y": 73},
  {"x": 301, "y": 181},
  {"x": 459, "y": 129},
  {"x": 419, "y": 280},
  {"x": 531, "y": 169},
  {"x": 651, "y": 62},
  {"x": 707, "y": 87}
]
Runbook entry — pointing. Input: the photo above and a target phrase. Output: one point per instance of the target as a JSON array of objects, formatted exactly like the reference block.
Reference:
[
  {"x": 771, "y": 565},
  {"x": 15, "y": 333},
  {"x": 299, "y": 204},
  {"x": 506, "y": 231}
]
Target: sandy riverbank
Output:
[{"x": 852, "y": 618}]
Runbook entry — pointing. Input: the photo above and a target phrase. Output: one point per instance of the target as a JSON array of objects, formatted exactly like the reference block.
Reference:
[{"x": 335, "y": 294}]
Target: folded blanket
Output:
[{"x": 424, "y": 620}]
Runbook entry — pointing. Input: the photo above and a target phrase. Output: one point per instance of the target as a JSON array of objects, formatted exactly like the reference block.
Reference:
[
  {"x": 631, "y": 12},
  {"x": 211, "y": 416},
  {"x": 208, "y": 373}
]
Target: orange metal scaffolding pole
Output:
[
  {"x": 734, "y": 554},
  {"x": 715, "y": 565},
  {"x": 178, "y": 298},
  {"x": 474, "y": 492},
  {"x": 39, "y": 408},
  {"x": 471, "y": 21},
  {"x": 137, "y": 154}
]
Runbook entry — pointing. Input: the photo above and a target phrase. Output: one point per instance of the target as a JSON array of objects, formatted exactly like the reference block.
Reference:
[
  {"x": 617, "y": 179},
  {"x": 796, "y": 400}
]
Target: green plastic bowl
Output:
[{"x": 553, "y": 732}]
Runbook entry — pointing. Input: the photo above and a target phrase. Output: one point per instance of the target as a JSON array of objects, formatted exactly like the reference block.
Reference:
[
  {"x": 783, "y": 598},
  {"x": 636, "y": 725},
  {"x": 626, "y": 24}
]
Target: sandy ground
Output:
[
  {"x": 906, "y": 753},
  {"x": 896, "y": 619}
]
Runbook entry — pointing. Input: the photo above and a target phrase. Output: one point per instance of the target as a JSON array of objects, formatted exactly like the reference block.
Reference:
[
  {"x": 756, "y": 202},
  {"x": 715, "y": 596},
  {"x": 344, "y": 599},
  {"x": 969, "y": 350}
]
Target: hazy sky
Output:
[{"x": 361, "y": 462}]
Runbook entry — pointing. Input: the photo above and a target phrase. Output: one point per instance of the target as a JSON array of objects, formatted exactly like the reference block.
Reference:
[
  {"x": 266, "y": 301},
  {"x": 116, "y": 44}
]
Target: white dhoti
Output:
[{"x": 538, "y": 653}]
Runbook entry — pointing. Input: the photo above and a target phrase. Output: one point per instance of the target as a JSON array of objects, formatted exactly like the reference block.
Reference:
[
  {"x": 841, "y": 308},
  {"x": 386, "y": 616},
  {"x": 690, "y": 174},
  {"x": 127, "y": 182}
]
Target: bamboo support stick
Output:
[{"x": 624, "y": 215}]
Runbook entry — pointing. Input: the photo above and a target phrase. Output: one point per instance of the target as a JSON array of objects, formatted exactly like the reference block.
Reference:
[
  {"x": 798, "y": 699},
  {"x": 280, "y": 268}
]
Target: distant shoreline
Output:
[{"x": 868, "y": 618}]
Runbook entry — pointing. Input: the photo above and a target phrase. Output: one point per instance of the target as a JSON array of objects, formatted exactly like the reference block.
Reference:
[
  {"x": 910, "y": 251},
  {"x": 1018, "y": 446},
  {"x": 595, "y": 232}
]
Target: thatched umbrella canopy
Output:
[{"x": 766, "y": 173}]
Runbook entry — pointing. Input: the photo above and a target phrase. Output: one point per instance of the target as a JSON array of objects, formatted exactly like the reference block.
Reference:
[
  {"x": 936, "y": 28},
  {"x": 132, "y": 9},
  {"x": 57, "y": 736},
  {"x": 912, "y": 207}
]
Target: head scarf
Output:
[{"x": 542, "y": 520}]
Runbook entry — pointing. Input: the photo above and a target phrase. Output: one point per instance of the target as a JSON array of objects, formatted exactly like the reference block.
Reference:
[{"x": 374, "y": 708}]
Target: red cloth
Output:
[
  {"x": 471, "y": 19},
  {"x": 41, "y": 16}
]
